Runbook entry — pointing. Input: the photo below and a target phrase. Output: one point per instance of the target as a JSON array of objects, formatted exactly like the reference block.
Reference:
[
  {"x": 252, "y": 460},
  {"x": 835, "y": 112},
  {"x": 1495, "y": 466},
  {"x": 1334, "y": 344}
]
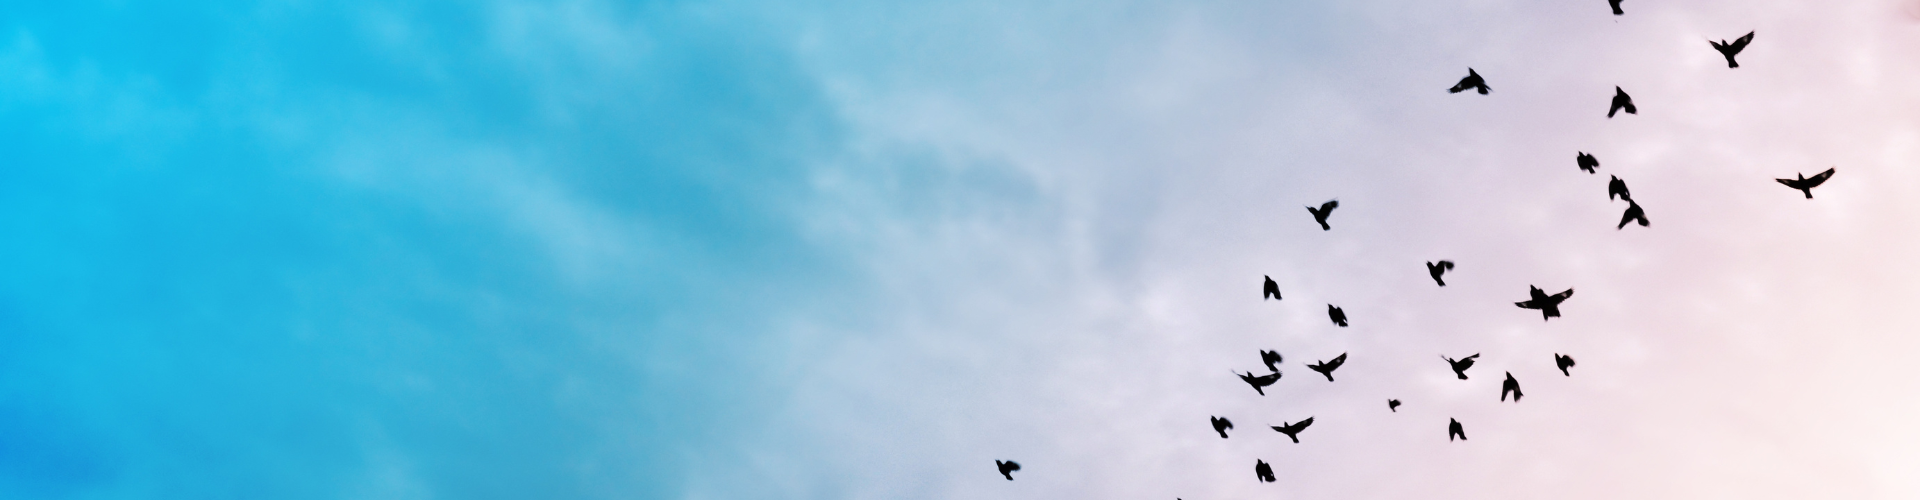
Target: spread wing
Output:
[
  {"x": 1329, "y": 206},
  {"x": 1562, "y": 295},
  {"x": 1338, "y": 360},
  {"x": 1460, "y": 86},
  {"x": 1789, "y": 182},
  {"x": 1742, "y": 42},
  {"x": 1819, "y": 178},
  {"x": 1297, "y": 426},
  {"x": 1528, "y": 304}
]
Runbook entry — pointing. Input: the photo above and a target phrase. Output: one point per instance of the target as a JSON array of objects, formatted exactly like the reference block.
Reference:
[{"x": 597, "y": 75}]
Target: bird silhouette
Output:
[
  {"x": 1435, "y": 269},
  {"x": 1617, "y": 188},
  {"x": 1327, "y": 367},
  {"x": 1472, "y": 81},
  {"x": 1563, "y": 361},
  {"x": 1338, "y": 316},
  {"x": 1510, "y": 385},
  {"x": 1270, "y": 290},
  {"x": 1321, "y": 214},
  {"x": 1586, "y": 162},
  {"x": 1549, "y": 305},
  {"x": 1622, "y": 102},
  {"x": 1260, "y": 382},
  {"x": 1393, "y": 404},
  {"x": 1220, "y": 425},
  {"x": 1007, "y": 468},
  {"x": 1272, "y": 359},
  {"x": 1262, "y": 471},
  {"x": 1461, "y": 365},
  {"x": 1729, "y": 49},
  {"x": 1633, "y": 213},
  {"x": 1454, "y": 429},
  {"x": 1806, "y": 184},
  {"x": 1616, "y": 7},
  {"x": 1293, "y": 430}
]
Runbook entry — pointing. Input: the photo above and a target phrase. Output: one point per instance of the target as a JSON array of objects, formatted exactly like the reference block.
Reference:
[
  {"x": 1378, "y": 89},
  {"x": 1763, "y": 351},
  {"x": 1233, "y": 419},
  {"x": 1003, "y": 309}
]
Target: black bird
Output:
[
  {"x": 1549, "y": 305},
  {"x": 1261, "y": 381},
  {"x": 1616, "y": 7},
  {"x": 1327, "y": 367},
  {"x": 1461, "y": 365},
  {"x": 1272, "y": 359},
  {"x": 1729, "y": 49},
  {"x": 1806, "y": 184},
  {"x": 1338, "y": 316},
  {"x": 1007, "y": 468},
  {"x": 1220, "y": 425},
  {"x": 1586, "y": 161},
  {"x": 1622, "y": 102},
  {"x": 1512, "y": 386},
  {"x": 1321, "y": 214},
  {"x": 1454, "y": 429},
  {"x": 1563, "y": 361},
  {"x": 1270, "y": 290},
  {"x": 1393, "y": 404},
  {"x": 1472, "y": 81},
  {"x": 1262, "y": 471},
  {"x": 1617, "y": 188},
  {"x": 1293, "y": 430},
  {"x": 1435, "y": 269},
  {"x": 1633, "y": 213}
]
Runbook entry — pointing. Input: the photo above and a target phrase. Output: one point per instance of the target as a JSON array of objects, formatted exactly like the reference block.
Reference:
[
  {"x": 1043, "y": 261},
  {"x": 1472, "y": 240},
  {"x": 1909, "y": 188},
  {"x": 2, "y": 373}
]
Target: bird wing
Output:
[
  {"x": 1329, "y": 205},
  {"x": 1340, "y": 360},
  {"x": 1446, "y": 264},
  {"x": 1819, "y": 178},
  {"x": 1742, "y": 42},
  {"x": 1789, "y": 182},
  {"x": 1717, "y": 46},
  {"x": 1460, "y": 86},
  {"x": 1528, "y": 304},
  {"x": 1562, "y": 295},
  {"x": 1011, "y": 465}
]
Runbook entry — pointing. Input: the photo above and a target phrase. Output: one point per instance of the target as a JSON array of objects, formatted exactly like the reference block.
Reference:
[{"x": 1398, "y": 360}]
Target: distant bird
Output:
[
  {"x": 1220, "y": 425},
  {"x": 1622, "y": 102},
  {"x": 1633, "y": 213},
  {"x": 1616, "y": 7},
  {"x": 1270, "y": 290},
  {"x": 1729, "y": 49},
  {"x": 1260, "y": 382},
  {"x": 1321, "y": 214},
  {"x": 1454, "y": 429},
  {"x": 1393, "y": 404},
  {"x": 1338, "y": 316},
  {"x": 1617, "y": 188},
  {"x": 1293, "y": 430},
  {"x": 1262, "y": 471},
  {"x": 1327, "y": 367},
  {"x": 1272, "y": 359},
  {"x": 1461, "y": 365},
  {"x": 1007, "y": 468},
  {"x": 1586, "y": 161},
  {"x": 1549, "y": 305},
  {"x": 1435, "y": 269},
  {"x": 1512, "y": 386},
  {"x": 1563, "y": 361},
  {"x": 1806, "y": 184},
  {"x": 1472, "y": 81}
]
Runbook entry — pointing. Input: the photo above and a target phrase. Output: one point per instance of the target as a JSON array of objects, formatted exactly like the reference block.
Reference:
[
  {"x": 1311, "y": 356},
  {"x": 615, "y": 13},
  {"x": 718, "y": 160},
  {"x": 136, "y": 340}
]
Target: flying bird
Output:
[
  {"x": 1563, "y": 361},
  {"x": 1338, "y": 316},
  {"x": 1616, "y": 7},
  {"x": 1293, "y": 430},
  {"x": 1220, "y": 425},
  {"x": 1586, "y": 161},
  {"x": 1510, "y": 385},
  {"x": 1321, "y": 214},
  {"x": 1272, "y": 359},
  {"x": 1461, "y": 365},
  {"x": 1617, "y": 188},
  {"x": 1262, "y": 471},
  {"x": 1393, "y": 404},
  {"x": 1472, "y": 81},
  {"x": 1327, "y": 367},
  {"x": 1270, "y": 290},
  {"x": 1260, "y": 382},
  {"x": 1549, "y": 305},
  {"x": 1729, "y": 49},
  {"x": 1806, "y": 184},
  {"x": 1633, "y": 213},
  {"x": 1622, "y": 102},
  {"x": 1007, "y": 468},
  {"x": 1454, "y": 429},
  {"x": 1435, "y": 269}
]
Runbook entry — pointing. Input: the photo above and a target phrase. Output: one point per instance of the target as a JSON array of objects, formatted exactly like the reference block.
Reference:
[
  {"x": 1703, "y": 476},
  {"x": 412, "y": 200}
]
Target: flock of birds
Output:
[{"x": 1537, "y": 299}]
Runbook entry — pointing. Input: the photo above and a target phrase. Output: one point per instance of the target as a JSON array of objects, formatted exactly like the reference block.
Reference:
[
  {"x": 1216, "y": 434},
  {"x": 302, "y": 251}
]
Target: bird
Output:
[
  {"x": 1472, "y": 81},
  {"x": 1617, "y": 188},
  {"x": 1621, "y": 102},
  {"x": 1729, "y": 49},
  {"x": 1272, "y": 359},
  {"x": 1549, "y": 305},
  {"x": 1007, "y": 468},
  {"x": 1321, "y": 214},
  {"x": 1461, "y": 365},
  {"x": 1220, "y": 425},
  {"x": 1586, "y": 162},
  {"x": 1806, "y": 184},
  {"x": 1393, "y": 404},
  {"x": 1563, "y": 361},
  {"x": 1338, "y": 316},
  {"x": 1327, "y": 367},
  {"x": 1293, "y": 430},
  {"x": 1261, "y": 381},
  {"x": 1270, "y": 290},
  {"x": 1454, "y": 429},
  {"x": 1633, "y": 213},
  {"x": 1262, "y": 471},
  {"x": 1510, "y": 385},
  {"x": 1435, "y": 269},
  {"x": 1616, "y": 7}
]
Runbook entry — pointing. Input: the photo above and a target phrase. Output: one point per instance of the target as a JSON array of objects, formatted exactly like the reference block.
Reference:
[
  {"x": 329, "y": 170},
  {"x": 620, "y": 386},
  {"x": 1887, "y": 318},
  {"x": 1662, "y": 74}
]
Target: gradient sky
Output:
[{"x": 737, "y": 249}]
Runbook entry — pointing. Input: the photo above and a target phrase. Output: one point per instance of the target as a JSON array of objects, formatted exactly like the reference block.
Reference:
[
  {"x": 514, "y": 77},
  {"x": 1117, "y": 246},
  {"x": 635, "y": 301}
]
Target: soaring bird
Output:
[
  {"x": 1270, "y": 290},
  {"x": 1633, "y": 213},
  {"x": 1510, "y": 385},
  {"x": 1454, "y": 429},
  {"x": 1586, "y": 161},
  {"x": 1461, "y": 365},
  {"x": 1220, "y": 425},
  {"x": 1262, "y": 471},
  {"x": 1729, "y": 49},
  {"x": 1293, "y": 430},
  {"x": 1806, "y": 184},
  {"x": 1472, "y": 81},
  {"x": 1549, "y": 305},
  {"x": 1622, "y": 102},
  {"x": 1327, "y": 367},
  {"x": 1617, "y": 188},
  {"x": 1321, "y": 214},
  {"x": 1435, "y": 269},
  {"x": 1393, "y": 404},
  {"x": 1338, "y": 316},
  {"x": 1007, "y": 468},
  {"x": 1272, "y": 359},
  {"x": 1564, "y": 362},
  {"x": 1260, "y": 382},
  {"x": 1616, "y": 7}
]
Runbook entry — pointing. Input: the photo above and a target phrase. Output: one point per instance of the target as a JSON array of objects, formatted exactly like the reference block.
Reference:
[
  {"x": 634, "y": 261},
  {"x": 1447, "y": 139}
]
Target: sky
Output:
[{"x": 733, "y": 249}]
